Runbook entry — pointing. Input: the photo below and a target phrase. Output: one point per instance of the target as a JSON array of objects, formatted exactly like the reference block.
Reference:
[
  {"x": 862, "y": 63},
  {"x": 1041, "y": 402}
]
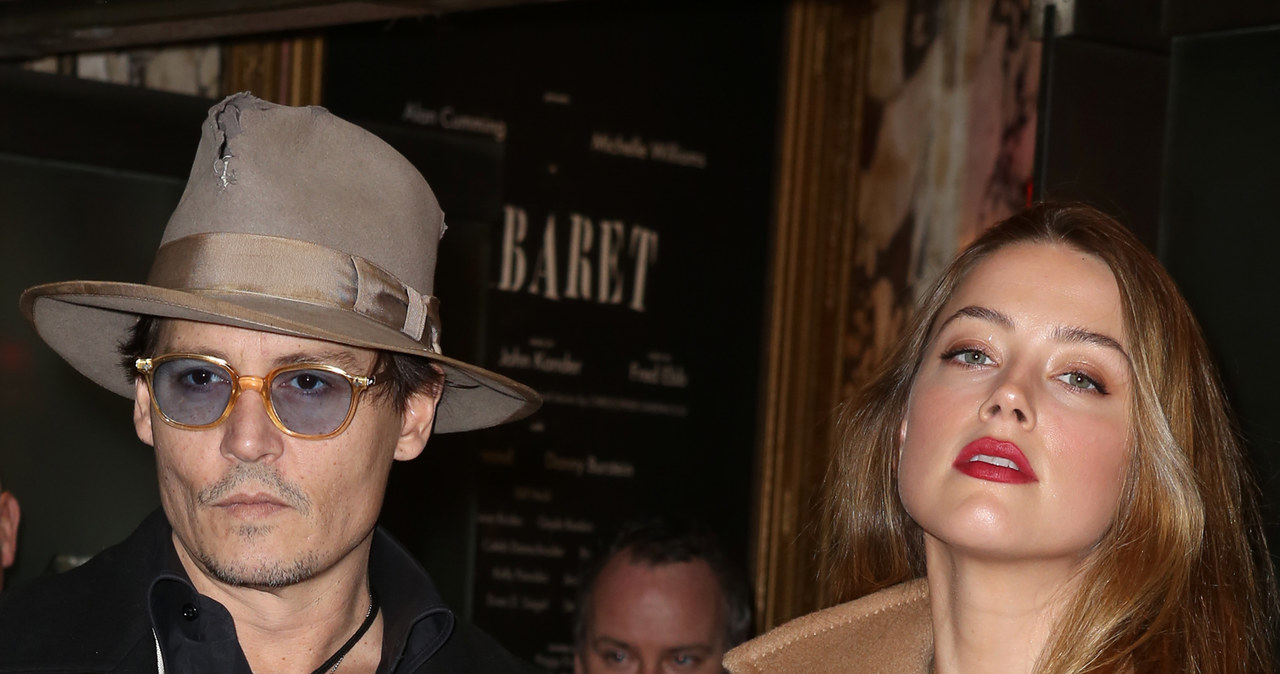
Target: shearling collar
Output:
[{"x": 888, "y": 631}]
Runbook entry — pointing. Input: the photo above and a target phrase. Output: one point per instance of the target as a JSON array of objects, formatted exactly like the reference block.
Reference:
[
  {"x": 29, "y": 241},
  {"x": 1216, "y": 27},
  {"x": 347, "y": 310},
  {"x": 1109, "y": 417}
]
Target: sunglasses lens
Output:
[
  {"x": 191, "y": 391},
  {"x": 311, "y": 402}
]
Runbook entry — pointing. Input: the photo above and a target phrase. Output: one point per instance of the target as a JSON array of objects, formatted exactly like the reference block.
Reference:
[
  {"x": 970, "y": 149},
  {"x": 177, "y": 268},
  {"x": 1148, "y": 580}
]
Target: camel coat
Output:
[{"x": 889, "y": 631}]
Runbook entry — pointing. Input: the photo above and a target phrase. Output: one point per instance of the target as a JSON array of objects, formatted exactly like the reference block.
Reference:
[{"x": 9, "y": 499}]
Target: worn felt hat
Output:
[{"x": 293, "y": 222}]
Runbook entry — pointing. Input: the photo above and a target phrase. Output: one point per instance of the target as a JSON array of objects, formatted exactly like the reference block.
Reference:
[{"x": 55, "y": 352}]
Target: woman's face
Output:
[{"x": 1014, "y": 445}]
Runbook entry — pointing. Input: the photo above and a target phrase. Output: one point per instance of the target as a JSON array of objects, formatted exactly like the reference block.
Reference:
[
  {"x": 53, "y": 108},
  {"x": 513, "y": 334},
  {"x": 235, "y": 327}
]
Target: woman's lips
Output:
[{"x": 995, "y": 461}]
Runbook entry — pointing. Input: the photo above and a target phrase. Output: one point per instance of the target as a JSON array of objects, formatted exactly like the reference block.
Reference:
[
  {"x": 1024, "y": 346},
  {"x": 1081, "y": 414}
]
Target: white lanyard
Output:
[{"x": 159, "y": 659}]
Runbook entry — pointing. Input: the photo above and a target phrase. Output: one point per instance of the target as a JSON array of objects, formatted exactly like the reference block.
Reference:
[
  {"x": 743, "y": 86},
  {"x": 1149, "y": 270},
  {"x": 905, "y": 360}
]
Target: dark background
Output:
[
  {"x": 89, "y": 173},
  {"x": 1161, "y": 112},
  {"x": 1164, "y": 114},
  {"x": 554, "y": 79}
]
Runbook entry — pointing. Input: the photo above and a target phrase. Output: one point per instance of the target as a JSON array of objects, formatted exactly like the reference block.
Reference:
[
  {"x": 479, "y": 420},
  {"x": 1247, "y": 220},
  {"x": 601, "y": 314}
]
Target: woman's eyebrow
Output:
[
  {"x": 980, "y": 313},
  {"x": 1062, "y": 334},
  {"x": 1083, "y": 336}
]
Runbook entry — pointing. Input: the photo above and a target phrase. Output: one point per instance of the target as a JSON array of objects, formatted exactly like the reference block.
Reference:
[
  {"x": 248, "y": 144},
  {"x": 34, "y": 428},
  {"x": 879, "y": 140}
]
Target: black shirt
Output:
[{"x": 110, "y": 614}]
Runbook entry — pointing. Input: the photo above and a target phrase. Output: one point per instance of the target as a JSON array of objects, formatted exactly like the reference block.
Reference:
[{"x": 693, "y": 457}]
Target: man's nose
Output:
[{"x": 249, "y": 434}]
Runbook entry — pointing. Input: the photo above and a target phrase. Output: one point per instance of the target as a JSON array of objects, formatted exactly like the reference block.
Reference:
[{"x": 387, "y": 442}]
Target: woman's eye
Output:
[
  {"x": 968, "y": 357},
  {"x": 1082, "y": 381}
]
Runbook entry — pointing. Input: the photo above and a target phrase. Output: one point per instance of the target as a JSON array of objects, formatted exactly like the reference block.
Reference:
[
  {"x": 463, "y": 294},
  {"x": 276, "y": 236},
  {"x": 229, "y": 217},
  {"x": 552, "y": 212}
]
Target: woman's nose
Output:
[{"x": 1010, "y": 399}]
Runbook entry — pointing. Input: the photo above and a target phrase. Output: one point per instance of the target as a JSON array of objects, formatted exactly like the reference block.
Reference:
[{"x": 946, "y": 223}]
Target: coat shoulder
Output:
[{"x": 888, "y": 631}]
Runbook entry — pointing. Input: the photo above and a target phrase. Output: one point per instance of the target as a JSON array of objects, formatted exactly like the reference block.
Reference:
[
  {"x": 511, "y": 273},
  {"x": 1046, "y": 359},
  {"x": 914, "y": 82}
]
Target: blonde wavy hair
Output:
[{"x": 1182, "y": 580}]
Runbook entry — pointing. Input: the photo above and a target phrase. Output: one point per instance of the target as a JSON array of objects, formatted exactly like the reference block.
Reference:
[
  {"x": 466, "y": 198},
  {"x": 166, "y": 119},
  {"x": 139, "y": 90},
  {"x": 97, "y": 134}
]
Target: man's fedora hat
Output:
[{"x": 294, "y": 222}]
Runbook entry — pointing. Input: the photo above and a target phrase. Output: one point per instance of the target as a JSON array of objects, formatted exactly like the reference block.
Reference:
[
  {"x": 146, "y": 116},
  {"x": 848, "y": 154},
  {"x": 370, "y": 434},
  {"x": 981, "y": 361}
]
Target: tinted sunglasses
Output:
[{"x": 304, "y": 400}]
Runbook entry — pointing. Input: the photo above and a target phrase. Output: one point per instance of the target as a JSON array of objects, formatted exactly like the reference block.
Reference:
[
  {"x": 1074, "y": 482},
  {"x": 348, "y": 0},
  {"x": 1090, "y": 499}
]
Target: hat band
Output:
[{"x": 299, "y": 271}]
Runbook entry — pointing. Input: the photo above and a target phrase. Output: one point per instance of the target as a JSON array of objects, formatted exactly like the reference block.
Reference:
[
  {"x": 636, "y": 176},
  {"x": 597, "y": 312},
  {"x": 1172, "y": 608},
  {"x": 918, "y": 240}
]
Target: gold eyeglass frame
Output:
[{"x": 240, "y": 383}]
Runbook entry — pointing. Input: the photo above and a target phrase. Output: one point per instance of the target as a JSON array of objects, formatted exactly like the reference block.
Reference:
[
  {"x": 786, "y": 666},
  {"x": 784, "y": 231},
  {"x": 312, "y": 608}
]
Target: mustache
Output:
[{"x": 254, "y": 473}]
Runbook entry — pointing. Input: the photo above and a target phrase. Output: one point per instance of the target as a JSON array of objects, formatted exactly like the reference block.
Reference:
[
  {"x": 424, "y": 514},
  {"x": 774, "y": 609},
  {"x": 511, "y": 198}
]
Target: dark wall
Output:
[
  {"x": 1164, "y": 114},
  {"x": 88, "y": 176},
  {"x": 653, "y": 122},
  {"x": 1220, "y": 233}
]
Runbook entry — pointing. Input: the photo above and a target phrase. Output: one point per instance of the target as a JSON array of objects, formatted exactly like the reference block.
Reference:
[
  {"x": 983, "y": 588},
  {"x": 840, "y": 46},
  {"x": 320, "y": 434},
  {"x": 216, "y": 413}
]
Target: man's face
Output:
[
  {"x": 251, "y": 506},
  {"x": 667, "y": 618}
]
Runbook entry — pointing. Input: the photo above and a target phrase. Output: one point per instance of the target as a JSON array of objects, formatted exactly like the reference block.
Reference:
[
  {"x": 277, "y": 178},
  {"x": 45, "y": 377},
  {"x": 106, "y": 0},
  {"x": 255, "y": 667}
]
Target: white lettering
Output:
[
  {"x": 509, "y": 574},
  {"x": 514, "y": 227},
  {"x": 514, "y": 547},
  {"x": 565, "y": 524},
  {"x": 607, "y": 262},
  {"x": 563, "y": 464},
  {"x": 632, "y": 147},
  {"x": 545, "y": 266},
  {"x": 610, "y": 292},
  {"x": 415, "y": 113},
  {"x": 610, "y": 468},
  {"x": 672, "y": 153},
  {"x": 473, "y": 123},
  {"x": 532, "y": 494},
  {"x": 500, "y": 519},
  {"x": 579, "y": 273},
  {"x": 514, "y": 357},
  {"x": 644, "y": 250}
]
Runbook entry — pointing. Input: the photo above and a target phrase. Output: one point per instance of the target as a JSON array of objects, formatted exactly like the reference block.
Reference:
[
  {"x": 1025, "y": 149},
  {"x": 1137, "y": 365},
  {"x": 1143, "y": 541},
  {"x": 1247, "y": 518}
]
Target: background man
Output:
[
  {"x": 660, "y": 599},
  {"x": 283, "y": 353},
  {"x": 10, "y": 513}
]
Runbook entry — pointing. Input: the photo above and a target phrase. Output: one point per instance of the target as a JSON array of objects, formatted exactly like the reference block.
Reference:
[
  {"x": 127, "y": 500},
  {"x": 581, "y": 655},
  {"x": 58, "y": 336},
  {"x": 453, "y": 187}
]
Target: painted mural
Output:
[{"x": 948, "y": 147}]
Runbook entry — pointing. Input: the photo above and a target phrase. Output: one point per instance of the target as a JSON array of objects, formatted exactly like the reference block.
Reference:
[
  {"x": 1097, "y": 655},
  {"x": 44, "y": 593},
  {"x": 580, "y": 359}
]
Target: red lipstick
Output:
[{"x": 995, "y": 461}]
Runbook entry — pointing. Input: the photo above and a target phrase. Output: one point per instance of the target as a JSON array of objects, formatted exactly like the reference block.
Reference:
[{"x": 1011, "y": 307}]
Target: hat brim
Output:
[{"x": 85, "y": 322}]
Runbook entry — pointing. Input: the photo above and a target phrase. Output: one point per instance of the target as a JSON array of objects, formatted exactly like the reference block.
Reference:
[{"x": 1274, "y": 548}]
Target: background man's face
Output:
[
  {"x": 667, "y": 618},
  {"x": 9, "y": 515},
  {"x": 250, "y": 505}
]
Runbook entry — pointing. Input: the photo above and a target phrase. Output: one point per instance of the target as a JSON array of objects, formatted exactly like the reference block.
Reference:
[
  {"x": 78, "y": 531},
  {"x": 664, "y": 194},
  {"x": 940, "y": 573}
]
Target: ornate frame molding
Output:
[{"x": 827, "y": 49}]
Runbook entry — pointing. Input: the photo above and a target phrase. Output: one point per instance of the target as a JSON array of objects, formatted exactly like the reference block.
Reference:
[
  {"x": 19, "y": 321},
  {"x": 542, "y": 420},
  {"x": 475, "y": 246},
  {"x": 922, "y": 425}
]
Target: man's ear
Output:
[
  {"x": 10, "y": 514},
  {"x": 142, "y": 411},
  {"x": 418, "y": 419},
  {"x": 577, "y": 663}
]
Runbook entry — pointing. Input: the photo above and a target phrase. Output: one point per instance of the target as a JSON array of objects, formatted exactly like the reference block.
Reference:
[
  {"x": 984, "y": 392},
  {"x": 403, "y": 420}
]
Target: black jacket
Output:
[{"x": 100, "y": 617}]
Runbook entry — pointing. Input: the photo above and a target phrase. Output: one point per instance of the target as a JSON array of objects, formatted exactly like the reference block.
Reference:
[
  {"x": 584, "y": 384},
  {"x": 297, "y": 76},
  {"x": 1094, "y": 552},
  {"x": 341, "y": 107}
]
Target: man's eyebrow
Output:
[
  {"x": 341, "y": 358},
  {"x": 610, "y": 641},
  {"x": 700, "y": 647},
  {"x": 163, "y": 348}
]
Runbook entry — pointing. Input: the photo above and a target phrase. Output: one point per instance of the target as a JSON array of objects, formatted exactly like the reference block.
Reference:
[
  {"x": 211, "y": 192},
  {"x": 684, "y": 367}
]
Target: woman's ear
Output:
[{"x": 902, "y": 442}]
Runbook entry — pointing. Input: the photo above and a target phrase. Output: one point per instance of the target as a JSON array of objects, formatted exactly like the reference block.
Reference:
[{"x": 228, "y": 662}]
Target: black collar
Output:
[{"x": 196, "y": 633}]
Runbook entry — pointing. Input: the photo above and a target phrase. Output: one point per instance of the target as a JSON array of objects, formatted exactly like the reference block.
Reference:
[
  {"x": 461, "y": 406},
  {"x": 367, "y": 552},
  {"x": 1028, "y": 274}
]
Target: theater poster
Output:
[{"x": 620, "y": 270}]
